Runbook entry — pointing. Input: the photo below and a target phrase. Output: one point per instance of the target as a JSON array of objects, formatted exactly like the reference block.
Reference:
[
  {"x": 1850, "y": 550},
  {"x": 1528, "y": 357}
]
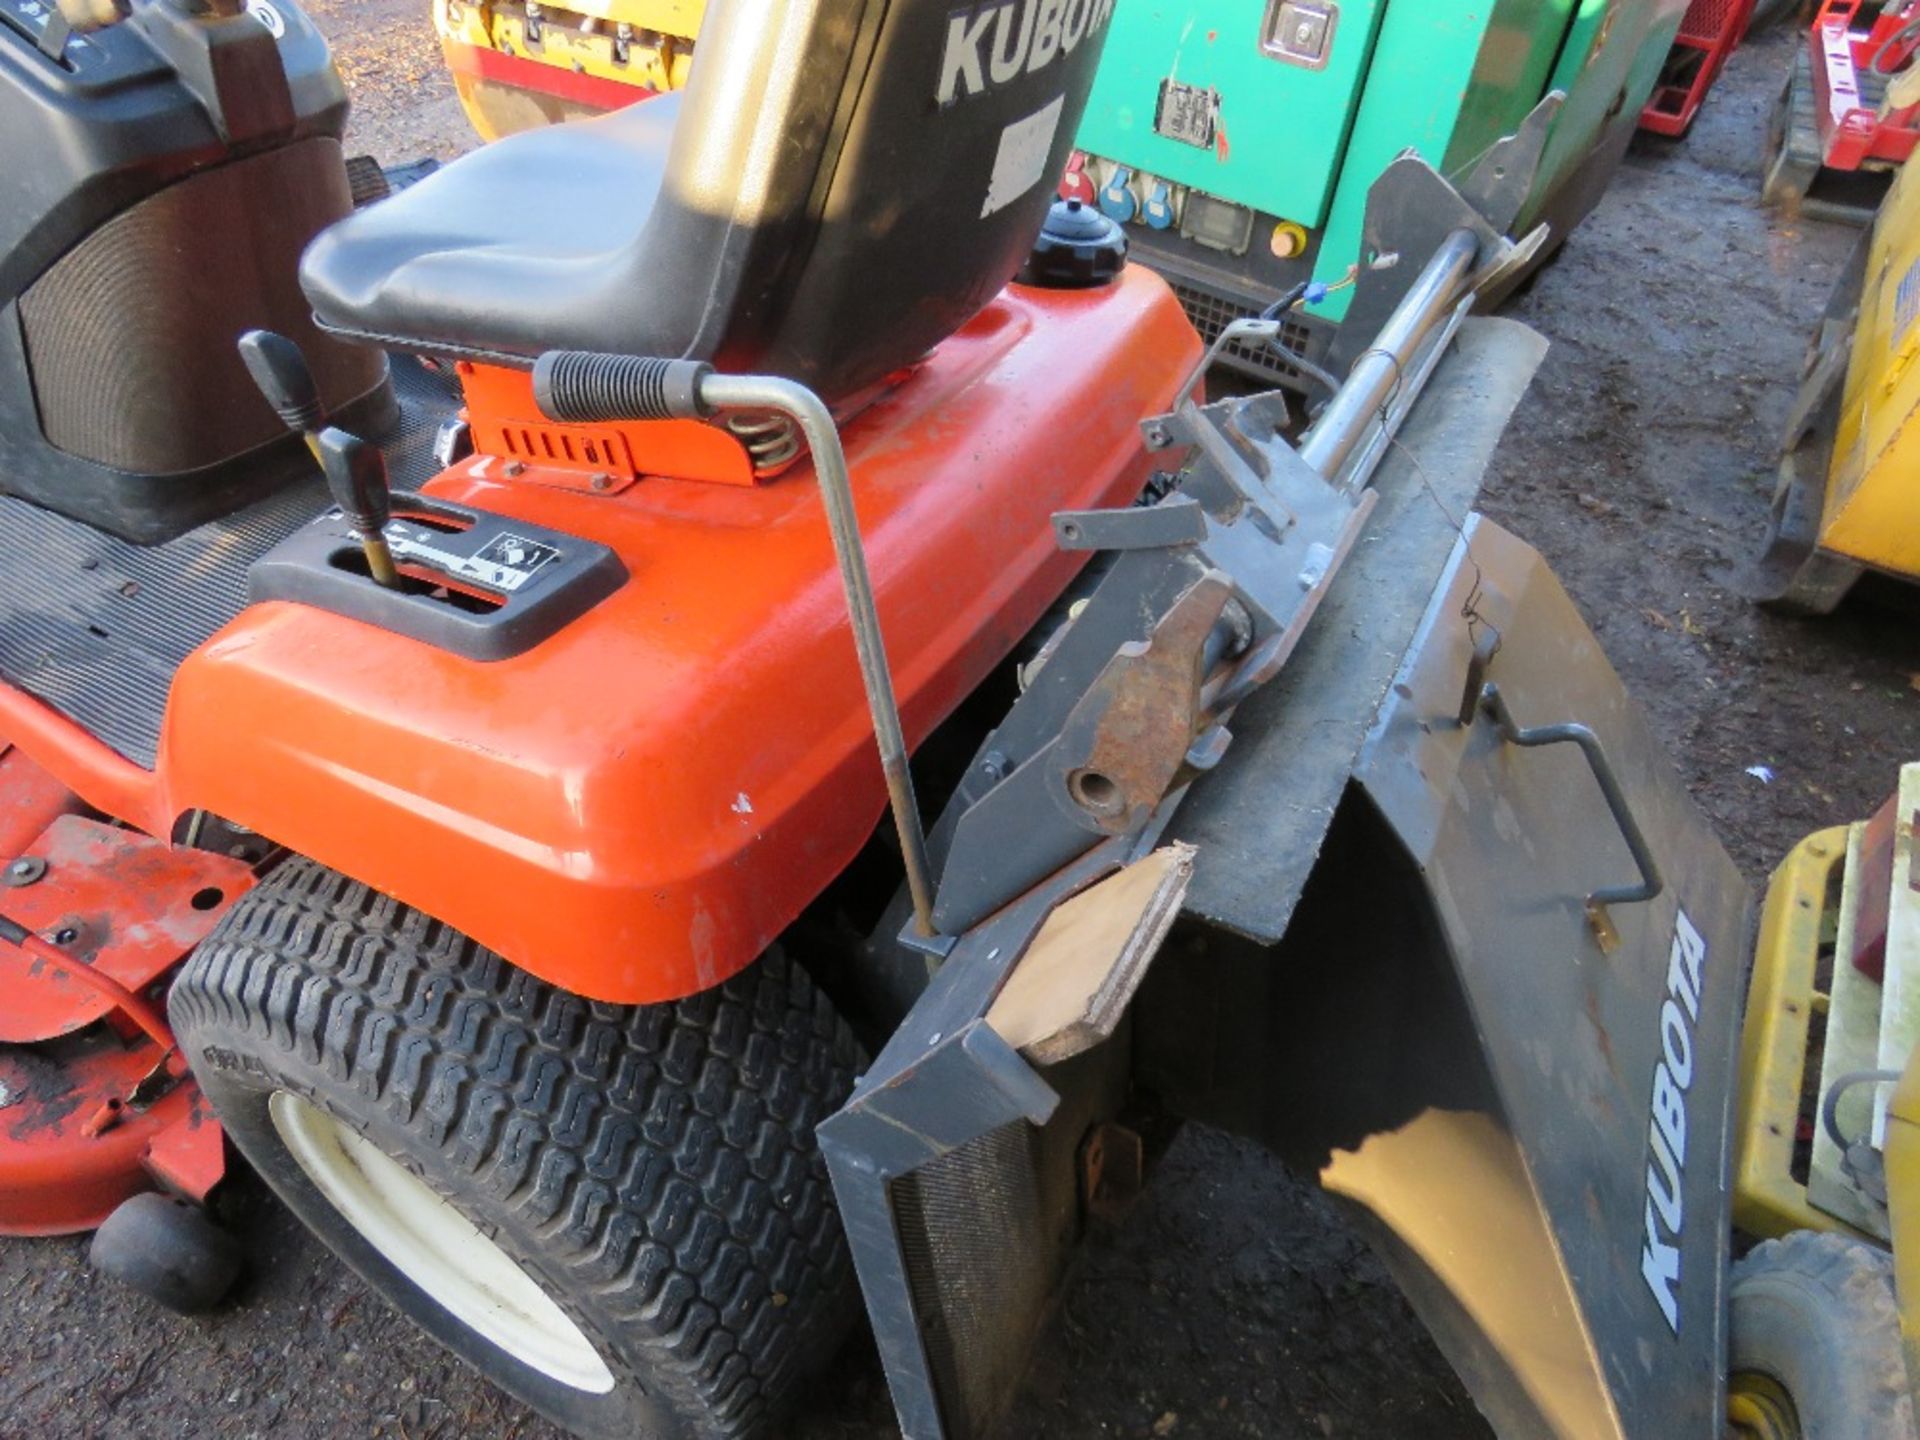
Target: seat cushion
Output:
[
  {"x": 854, "y": 181},
  {"x": 522, "y": 246}
]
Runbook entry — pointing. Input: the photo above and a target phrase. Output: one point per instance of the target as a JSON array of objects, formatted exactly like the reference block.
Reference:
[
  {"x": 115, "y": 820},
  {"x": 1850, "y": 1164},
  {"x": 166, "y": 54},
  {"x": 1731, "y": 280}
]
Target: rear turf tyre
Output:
[
  {"x": 1815, "y": 1343},
  {"x": 617, "y": 1213}
]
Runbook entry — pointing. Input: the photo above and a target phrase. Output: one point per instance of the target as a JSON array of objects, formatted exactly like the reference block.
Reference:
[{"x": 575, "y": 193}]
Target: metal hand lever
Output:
[
  {"x": 1651, "y": 883},
  {"x": 357, "y": 476},
  {"x": 579, "y": 387}
]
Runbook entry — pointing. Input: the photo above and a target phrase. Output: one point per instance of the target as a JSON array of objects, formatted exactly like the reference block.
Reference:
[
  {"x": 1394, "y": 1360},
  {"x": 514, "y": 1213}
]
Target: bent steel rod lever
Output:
[
  {"x": 577, "y": 387},
  {"x": 1529, "y": 737},
  {"x": 768, "y": 392}
]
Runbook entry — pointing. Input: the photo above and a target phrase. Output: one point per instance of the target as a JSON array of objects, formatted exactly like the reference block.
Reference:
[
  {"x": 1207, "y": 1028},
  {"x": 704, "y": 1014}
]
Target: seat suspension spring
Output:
[{"x": 773, "y": 441}]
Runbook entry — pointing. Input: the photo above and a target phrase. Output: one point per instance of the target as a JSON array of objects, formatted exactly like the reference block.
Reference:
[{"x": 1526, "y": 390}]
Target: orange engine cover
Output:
[{"x": 637, "y": 806}]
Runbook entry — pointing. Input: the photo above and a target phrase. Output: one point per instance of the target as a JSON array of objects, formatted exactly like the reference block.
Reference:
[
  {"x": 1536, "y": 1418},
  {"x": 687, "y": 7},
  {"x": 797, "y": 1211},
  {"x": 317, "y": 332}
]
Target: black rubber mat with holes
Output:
[{"x": 95, "y": 626}]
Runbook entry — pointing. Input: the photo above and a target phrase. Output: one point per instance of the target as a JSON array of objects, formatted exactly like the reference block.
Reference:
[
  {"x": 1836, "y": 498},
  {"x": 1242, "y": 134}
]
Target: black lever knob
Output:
[
  {"x": 357, "y": 475},
  {"x": 284, "y": 377}
]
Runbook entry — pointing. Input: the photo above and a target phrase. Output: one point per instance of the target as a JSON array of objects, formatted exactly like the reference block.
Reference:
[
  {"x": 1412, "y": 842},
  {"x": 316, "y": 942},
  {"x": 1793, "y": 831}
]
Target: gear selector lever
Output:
[
  {"x": 356, "y": 471},
  {"x": 357, "y": 475},
  {"x": 282, "y": 373}
]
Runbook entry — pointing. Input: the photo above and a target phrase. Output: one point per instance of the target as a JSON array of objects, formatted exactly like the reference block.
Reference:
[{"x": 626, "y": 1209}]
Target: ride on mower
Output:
[
  {"x": 1826, "y": 1312},
  {"x": 509, "y": 715}
]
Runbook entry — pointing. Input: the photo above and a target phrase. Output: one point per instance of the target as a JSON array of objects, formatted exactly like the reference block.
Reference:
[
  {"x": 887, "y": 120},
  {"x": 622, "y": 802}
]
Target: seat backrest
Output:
[{"x": 850, "y": 181}]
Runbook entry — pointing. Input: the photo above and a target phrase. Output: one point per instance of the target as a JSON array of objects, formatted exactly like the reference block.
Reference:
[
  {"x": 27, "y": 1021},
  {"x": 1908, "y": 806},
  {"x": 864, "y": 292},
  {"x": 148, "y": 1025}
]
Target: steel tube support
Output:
[
  {"x": 1378, "y": 373},
  {"x": 767, "y": 392}
]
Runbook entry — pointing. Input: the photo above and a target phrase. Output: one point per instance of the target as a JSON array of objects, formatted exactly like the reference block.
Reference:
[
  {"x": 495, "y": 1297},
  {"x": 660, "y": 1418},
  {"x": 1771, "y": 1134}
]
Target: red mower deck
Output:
[{"x": 94, "y": 1103}]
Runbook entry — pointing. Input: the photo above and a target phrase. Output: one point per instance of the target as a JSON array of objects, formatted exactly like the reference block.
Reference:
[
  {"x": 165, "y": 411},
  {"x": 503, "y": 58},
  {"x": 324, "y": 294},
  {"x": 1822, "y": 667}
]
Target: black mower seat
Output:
[
  {"x": 516, "y": 249},
  {"x": 842, "y": 184}
]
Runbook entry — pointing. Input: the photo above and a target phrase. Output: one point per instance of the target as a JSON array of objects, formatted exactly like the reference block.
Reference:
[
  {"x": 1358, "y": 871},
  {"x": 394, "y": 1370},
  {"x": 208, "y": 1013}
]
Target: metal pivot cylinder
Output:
[{"x": 1378, "y": 373}]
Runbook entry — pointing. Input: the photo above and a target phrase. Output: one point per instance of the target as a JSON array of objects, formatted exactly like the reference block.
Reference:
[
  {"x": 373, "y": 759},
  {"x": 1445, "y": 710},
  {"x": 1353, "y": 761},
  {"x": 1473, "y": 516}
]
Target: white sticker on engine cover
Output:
[{"x": 1024, "y": 147}]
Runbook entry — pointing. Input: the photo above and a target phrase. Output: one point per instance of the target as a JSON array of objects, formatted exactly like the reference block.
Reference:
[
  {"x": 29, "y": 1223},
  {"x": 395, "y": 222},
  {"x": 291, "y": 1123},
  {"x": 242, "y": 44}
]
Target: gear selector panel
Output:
[{"x": 476, "y": 584}]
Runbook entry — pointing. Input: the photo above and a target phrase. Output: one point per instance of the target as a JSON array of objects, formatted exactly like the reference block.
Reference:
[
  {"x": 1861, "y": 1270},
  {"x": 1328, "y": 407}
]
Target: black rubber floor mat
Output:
[{"x": 95, "y": 626}]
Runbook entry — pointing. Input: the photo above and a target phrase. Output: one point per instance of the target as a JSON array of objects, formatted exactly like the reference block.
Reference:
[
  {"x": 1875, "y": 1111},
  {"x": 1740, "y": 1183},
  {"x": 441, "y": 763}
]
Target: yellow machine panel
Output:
[
  {"x": 1848, "y": 497},
  {"x": 519, "y": 63},
  {"x": 1873, "y": 492}
]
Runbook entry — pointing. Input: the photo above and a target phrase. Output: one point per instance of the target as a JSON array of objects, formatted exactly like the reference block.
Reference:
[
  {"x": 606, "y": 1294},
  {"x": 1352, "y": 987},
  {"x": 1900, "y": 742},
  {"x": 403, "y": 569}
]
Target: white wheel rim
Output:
[{"x": 436, "y": 1247}]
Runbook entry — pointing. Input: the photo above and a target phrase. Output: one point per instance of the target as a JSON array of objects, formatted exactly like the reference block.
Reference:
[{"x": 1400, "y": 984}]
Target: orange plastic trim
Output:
[
  {"x": 507, "y": 423},
  {"x": 636, "y": 807}
]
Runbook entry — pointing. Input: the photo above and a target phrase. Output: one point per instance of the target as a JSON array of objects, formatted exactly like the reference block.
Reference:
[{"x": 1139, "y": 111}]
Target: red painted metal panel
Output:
[
  {"x": 72, "y": 1147},
  {"x": 128, "y": 905},
  {"x": 1854, "y": 132},
  {"x": 592, "y": 91},
  {"x": 30, "y": 800}
]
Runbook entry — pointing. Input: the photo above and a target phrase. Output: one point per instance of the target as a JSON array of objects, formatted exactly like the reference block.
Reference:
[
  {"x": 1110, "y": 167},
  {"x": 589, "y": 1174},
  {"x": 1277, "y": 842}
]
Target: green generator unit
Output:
[{"x": 1236, "y": 139}]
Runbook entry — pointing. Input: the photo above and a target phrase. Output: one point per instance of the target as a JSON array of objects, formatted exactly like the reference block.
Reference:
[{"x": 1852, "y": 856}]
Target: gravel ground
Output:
[{"x": 1233, "y": 1302}]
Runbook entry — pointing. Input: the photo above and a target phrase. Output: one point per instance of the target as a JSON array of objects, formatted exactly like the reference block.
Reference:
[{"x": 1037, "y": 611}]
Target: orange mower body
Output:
[{"x": 635, "y": 808}]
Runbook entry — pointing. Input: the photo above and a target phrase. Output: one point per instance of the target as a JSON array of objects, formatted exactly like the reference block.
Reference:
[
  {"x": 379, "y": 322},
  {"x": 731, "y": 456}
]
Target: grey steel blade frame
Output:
[
  {"x": 1512, "y": 844},
  {"x": 1275, "y": 522},
  {"x": 945, "y": 1078},
  {"x": 1255, "y": 513}
]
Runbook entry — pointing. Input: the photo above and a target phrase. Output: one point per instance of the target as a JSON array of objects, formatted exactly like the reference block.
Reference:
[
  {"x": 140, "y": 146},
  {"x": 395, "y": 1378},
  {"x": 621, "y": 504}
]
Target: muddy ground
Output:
[{"x": 1234, "y": 1302}]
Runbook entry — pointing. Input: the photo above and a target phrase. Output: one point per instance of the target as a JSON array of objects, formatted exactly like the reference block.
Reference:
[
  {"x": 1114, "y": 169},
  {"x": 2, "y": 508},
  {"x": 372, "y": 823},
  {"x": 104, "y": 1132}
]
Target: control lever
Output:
[
  {"x": 356, "y": 471},
  {"x": 284, "y": 377},
  {"x": 357, "y": 475},
  {"x": 581, "y": 387},
  {"x": 84, "y": 15}
]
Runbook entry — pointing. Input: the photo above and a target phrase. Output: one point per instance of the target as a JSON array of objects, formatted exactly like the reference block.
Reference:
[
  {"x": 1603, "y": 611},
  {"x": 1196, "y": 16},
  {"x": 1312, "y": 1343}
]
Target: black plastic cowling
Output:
[{"x": 581, "y": 387}]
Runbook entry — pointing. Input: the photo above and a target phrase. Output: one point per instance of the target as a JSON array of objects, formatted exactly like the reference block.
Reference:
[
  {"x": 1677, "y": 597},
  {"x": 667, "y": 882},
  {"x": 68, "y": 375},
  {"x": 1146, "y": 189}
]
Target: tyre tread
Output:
[
  {"x": 1848, "y": 1285},
  {"x": 664, "y": 1154}
]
